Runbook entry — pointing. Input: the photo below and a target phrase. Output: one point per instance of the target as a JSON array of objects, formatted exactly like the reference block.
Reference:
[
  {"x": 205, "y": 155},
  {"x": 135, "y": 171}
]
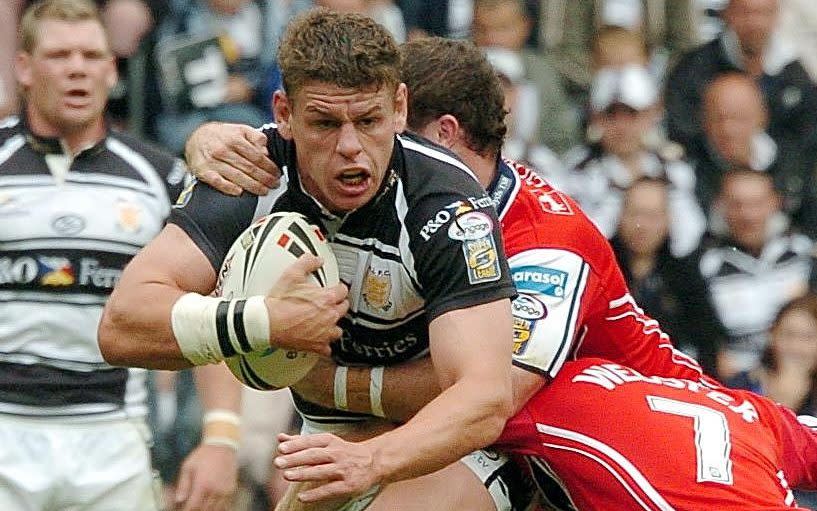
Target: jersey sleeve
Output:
[
  {"x": 212, "y": 219},
  {"x": 457, "y": 249},
  {"x": 799, "y": 441},
  {"x": 547, "y": 312}
]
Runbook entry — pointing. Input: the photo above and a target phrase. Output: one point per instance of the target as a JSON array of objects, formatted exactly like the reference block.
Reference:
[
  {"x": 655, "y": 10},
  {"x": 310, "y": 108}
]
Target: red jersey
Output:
[
  {"x": 614, "y": 439},
  {"x": 573, "y": 300}
]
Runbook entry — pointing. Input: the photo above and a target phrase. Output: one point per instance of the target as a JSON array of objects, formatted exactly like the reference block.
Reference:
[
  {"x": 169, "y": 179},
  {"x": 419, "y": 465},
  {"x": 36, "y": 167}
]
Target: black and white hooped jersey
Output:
[
  {"x": 749, "y": 290},
  {"x": 68, "y": 226},
  {"x": 426, "y": 244}
]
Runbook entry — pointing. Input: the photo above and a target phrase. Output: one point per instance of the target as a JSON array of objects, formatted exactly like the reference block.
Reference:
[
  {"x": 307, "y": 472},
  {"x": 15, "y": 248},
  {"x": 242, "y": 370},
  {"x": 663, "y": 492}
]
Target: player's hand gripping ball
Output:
[{"x": 252, "y": 266}]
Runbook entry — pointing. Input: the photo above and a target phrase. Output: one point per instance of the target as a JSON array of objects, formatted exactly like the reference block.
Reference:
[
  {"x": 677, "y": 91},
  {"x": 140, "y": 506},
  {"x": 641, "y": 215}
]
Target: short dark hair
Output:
[
  {"x": 345, "y": 49},
  {"x": 445, "y": 76}
]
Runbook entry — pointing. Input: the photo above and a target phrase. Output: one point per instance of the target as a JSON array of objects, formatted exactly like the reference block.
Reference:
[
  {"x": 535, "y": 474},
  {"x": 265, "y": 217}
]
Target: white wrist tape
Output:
[
  {"x": 221, "y": 441},
  {"x": 221, "y": 415},
  {"x": 210, "y": 329},
  {"x": 376, "y": 390},
  {"x": 340, "y": 388}
]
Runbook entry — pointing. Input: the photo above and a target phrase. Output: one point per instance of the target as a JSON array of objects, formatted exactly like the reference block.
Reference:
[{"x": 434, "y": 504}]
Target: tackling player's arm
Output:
[
  {"x": 404, "y": 390},
  {"x": 470, "y": 349},
  {"x": 232, "y": 158}
]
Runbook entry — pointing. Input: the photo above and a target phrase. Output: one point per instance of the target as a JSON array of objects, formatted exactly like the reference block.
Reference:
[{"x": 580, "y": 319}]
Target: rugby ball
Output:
[{"x": 253, "y": 265}]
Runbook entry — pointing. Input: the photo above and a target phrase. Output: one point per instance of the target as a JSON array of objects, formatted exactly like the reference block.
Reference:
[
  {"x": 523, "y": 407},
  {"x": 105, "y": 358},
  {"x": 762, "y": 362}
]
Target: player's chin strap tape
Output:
[{"x": 209, "y": 329}]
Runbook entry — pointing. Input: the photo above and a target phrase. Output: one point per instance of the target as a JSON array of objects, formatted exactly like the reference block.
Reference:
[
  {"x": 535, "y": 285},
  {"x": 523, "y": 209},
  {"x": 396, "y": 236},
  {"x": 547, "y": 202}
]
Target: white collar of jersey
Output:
[{"x": 778, "y": 54}]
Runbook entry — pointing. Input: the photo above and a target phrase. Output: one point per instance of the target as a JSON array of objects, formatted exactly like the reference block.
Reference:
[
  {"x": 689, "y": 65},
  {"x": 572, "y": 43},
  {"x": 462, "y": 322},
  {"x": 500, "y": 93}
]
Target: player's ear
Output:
[
  {"x": 111, "y": 74},
  {"x": 400, "y": 108},
  {"x": 448, "y": 130},
  {"x": 282, "y": 110},
  {"x": 22, "y": 68}
]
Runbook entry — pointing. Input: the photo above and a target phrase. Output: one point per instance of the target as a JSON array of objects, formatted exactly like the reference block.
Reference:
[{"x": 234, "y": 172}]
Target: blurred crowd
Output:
[{"x": 686, "y": 129}]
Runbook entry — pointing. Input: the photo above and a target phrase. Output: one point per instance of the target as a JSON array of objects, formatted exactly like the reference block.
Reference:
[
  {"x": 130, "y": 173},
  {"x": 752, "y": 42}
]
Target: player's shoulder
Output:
[
  {"x": 550, "y": 214},
  {"x": 134, "y": 149},
  {"x": 428, "y": 168}
]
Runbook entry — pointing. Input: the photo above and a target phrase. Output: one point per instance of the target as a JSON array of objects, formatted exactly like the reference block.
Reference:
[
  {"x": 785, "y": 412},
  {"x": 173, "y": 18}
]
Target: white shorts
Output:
[
  {"x": 510, "y": 488},
  {"x": 49, "y": 464}
]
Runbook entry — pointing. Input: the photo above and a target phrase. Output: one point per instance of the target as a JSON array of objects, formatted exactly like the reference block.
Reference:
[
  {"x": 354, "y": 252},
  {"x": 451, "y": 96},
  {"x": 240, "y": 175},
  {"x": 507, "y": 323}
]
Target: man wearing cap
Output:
[{"x": 621, "y": 147}]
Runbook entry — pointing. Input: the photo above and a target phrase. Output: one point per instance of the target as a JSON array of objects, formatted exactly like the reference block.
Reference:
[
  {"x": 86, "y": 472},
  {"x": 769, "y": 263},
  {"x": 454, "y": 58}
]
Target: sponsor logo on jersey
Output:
[
  {"x": 522, "y": 332},
  {"x": 91, "y": 273},
  {"x": 45, "y": 270},
  {"x": 128, "y": 216},
  {"x": 471, "y": 226},
  {"x": 453, "y": 210},
  {"x": 9, "y": 205},
  {"x": 555, "y": 203},
  {"x": 527, "y": 307},
  {"x": 537, "y": 279},
  {"x": 526, "y": 311},
  {"x": 68, "y": 225},
  {"x": 502, "y": 185},
  {"x": 377, "y": 289},
  {"x": 55, "y": 271},
  {"x": 482, "y": 260},
  {"x": 433, "y": 225},
  {"x": 184, "y": 197},
  {"x": 379, "y": 350}
]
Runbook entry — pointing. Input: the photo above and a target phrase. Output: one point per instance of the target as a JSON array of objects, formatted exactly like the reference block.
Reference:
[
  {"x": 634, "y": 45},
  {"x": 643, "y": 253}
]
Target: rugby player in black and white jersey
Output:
[
  {"x": 593, "y": 315},
  {"x": 77, "y": 201},
  {"x": 443, "y": 292}
]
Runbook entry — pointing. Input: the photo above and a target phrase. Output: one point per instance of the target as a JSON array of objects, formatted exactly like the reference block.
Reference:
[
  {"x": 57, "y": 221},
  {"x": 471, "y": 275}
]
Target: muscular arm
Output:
[
  {"x": 407, "y": 387},
  {"x": 471, "y": 352},
  {"x": 135, "y": 329}
]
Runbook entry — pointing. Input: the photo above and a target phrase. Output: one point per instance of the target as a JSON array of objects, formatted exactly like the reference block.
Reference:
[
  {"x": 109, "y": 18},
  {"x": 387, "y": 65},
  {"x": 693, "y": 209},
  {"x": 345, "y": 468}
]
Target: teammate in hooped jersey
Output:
[
  {"x": 612, "y": 437},
  {"x": 573, "y": 300}
]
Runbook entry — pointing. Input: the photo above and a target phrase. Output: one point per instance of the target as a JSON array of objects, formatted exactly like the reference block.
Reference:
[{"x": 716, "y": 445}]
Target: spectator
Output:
[
  {"x": 214, "y": 56},
  {"x": 669, "y": 289},
  {"x": 442, "y": 18},
  {"x": 382, "y": 11},
  {"x": 520, "y": 95},
  {"x": 735, "y": 120},
  {"x": 755, "y": 268},
  {"x": 625, "y": 110},
  {"x": 706, "y": 18},
  {"x": 567, "y": 29},
  {"x": 799, "y": 23},
  {"x": 788, "y": 367},
  {"x": 752, "y": 44},
  {"x": 618, "y": 47},
  {"x": 787, "y": 372},
  {"x": 84, "y": 199},
  {"x": 505, "y": 24}
]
